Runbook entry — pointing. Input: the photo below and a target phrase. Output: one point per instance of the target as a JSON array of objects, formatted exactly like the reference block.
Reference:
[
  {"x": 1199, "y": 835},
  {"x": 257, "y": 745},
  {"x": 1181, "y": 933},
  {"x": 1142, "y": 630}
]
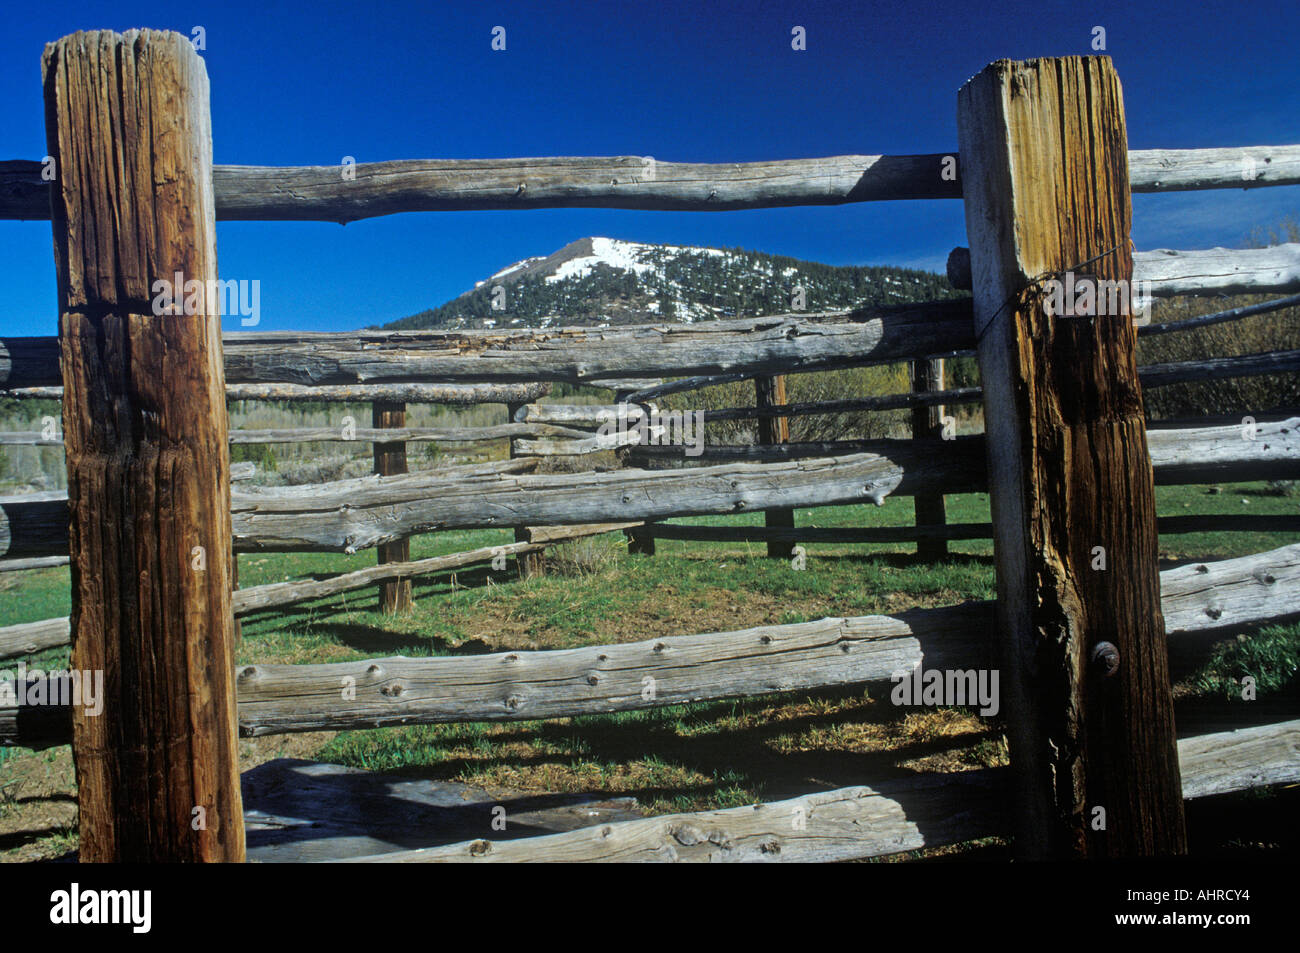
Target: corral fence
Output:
[{"x": 150, "y": 520}]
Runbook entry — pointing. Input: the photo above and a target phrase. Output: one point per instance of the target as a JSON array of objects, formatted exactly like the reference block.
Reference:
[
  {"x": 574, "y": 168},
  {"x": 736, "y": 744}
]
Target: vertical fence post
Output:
[
  {"x": 770, "y": 392},
  {"x": 530, "y": 564},
  {"x": 144, "y": 419},
  {"x": 390, "y": 460},
  {"x": 927, "y": 424},
  {"x": 1084, "y": 663},
  {"x": 640, "y": 539}
]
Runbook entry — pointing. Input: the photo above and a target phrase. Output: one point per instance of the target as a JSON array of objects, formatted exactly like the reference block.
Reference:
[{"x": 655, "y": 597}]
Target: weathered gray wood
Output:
[
  {"x": 406, "y": 434},
  {"x": 1231, "y": 593},
  {"x": 354, "y": 514},
  {"x": 457, "y": 394},
  {"x": 1206, "y": 271},
  {"x": 593, "y": 355},
  {"x": 34, "y": 438},
  {"x": 553, "y": 534},
  {"x": 43, "y": 562},
  {"x": 843, "y": 824},
  {"x": 318, "y": 193},
  {"x": 1220, "y": 317},
  {"x": 598, "y": 443},
  {"x": 263, "y": 366},
  {"x": 812, "y": 534},
  {"x": 1219, "y": 368},
  {"x": 859, "y": 822},
  {"x": 29, "y": 638},
  {"x": 606, "y": 678},
  {"x": 570, "y": 682},
  {"x": 1228, "y": 761},
  {"x": 34, "y": 525},
  {"x": 409, "y": 393}
]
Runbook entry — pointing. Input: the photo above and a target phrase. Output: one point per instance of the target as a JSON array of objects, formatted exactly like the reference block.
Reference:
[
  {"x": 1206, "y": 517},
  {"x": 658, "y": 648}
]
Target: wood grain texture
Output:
[
  {"x": 859, "y": 822},
  {"x": 1046, "y": 189},
  {"x": 769, "y": 392},
  {"x": 1221, "y": 596},
  {"x": 35, "y": 525},
  {"x": 1207, "y": 271},
  {"x": 144, "y": 419},
  {"x": 320, "y": 193},
  {"x": 390, "y": 460}
]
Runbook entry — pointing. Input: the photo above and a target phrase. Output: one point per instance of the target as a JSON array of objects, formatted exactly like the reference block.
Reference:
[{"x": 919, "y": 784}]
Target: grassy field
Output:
[{"x": 690, "y": 757}]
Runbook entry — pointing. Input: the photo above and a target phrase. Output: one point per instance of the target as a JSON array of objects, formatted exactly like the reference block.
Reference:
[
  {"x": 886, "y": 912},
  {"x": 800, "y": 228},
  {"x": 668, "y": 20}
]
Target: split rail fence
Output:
[{"x": 1045, "y": 175}]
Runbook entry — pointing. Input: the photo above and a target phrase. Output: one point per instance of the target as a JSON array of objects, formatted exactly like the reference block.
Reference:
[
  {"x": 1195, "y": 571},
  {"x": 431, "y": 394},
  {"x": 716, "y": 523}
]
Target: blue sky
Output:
[{"x": 688, "y": 81}]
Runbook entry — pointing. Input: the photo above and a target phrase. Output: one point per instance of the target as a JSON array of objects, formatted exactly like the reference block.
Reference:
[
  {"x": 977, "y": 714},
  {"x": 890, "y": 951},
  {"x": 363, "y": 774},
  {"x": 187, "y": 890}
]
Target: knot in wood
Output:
[{"x": 1105, "y": 658}]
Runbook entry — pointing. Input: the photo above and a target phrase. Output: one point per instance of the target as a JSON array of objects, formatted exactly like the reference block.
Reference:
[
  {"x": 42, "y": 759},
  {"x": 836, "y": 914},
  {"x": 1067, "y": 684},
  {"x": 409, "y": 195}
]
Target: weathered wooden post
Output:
[
  {"x": 144, "y": 418},
  {"x": 927, "y": 424},
  {"x": 770, "y": 392},
  {"x": 1090, "y": 716},
  {"x": 530, "y": 564},
  {"x": 390, "y": 460}
]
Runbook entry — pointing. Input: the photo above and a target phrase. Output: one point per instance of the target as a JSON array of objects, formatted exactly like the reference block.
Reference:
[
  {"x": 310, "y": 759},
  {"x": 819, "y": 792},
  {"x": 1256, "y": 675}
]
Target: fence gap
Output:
[{"x": 770, "y": 392}]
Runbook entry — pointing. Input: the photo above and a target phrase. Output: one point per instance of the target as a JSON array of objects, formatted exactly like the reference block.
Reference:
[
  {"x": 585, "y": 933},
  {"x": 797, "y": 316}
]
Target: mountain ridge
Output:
[{"x": 597, "y": 280}]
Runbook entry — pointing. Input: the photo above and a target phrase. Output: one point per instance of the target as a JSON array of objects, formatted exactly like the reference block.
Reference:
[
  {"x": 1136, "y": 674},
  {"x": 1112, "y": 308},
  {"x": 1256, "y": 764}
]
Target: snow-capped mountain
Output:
[{"x": 609, "y": 281}]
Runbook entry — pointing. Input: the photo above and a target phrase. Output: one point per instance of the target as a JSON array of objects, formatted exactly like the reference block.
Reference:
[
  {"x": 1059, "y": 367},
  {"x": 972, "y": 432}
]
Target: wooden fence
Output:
[{"x": 151, "y": 520}]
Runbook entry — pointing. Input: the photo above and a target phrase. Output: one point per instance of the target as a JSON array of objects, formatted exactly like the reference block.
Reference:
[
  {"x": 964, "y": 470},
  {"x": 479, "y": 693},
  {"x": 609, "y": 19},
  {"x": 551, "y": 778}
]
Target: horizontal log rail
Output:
[
  {"x": 320, "y": 193},
  {"x": 890, "y": 817},
  {"x": 1221, "y": 271},
  {"x": 1151, "y": 375},
  {"x": 489, "y": 367},
  {"x": 405, "y": 392},
  {"x": 401, "y": 365},
  {"x": 844, "y": 535},
  {"x": 1266, "y": 450},
  {"x": 763, "y": 660},
  {"x": 36, "y": 438},
  {"x": 349, "y": 515},
  {"x": 31, "y": 637}
]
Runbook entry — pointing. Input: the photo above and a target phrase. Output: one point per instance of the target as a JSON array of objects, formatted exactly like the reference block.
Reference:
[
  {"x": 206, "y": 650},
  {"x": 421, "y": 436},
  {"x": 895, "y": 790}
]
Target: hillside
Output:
[{"x": 608, "y": 281}]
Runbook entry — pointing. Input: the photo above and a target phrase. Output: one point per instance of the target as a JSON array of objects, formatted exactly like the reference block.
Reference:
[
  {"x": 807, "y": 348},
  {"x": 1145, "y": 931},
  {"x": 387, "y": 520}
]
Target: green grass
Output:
[{"x": 702, "y": 756}]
